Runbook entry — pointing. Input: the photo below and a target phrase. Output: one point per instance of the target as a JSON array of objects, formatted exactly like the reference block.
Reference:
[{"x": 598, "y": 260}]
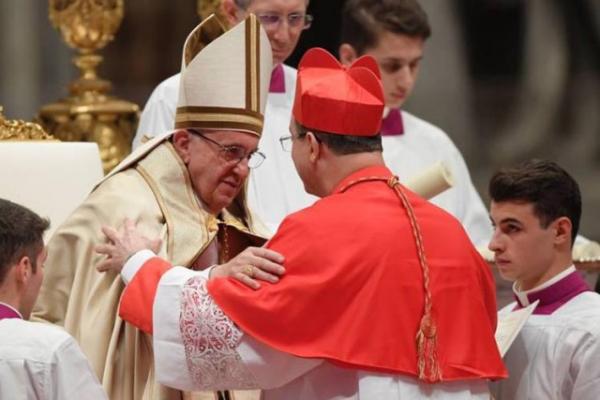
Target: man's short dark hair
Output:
[
  {"x": 21, "y": 234},
  {"x": 363, "y": 21},
  {"x": 551, "y": 190},
  {"x": 344, "y": 144}
]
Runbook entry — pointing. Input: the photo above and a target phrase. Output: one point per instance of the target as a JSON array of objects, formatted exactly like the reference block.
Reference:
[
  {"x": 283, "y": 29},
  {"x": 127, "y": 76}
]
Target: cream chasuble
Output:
[{"x": 152, "y": 187}]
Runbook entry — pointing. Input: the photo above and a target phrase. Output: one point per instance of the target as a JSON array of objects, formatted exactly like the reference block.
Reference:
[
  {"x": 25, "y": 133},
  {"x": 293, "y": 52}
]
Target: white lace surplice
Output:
[{"x": 210, "y": 339}]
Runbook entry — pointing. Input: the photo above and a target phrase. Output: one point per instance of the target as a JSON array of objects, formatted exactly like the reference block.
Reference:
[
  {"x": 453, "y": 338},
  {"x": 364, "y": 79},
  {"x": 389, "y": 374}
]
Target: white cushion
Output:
[{"x": 50, "y": 178}]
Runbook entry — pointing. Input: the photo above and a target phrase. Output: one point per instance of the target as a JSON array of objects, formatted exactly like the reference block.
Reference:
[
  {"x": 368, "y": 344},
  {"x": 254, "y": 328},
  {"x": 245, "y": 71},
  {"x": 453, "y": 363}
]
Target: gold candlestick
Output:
[{"x": 89, "y": 113}]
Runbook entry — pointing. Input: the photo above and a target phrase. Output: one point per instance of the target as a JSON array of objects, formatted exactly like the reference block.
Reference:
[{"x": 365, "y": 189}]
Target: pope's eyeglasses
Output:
[{"x": 234, "y": 153}]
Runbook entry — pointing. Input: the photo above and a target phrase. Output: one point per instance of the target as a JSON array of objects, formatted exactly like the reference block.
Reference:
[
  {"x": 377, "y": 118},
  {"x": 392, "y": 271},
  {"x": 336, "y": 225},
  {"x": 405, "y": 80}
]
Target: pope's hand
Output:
[
  {"x": 251, "y": 265},
  {"x": 123, "y": 244}
]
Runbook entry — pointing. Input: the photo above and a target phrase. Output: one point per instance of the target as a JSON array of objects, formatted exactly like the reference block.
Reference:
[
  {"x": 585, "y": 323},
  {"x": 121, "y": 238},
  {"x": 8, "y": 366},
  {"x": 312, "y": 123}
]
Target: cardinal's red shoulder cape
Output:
[{"x": 353, "y": 288}]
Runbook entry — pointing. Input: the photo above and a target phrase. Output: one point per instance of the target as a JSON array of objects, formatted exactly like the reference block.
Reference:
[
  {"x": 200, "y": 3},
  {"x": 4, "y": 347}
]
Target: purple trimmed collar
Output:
[
  {"x": 277, "y": 80},
  {"x": 392, "y": 124},
  {"x": 554, "y": 296},
  {"x": 8, "y": 312}
]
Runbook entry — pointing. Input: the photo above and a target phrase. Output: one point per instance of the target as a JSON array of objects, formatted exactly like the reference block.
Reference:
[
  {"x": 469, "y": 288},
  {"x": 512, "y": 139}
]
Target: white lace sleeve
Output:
[{"x": 210, "y": 340}]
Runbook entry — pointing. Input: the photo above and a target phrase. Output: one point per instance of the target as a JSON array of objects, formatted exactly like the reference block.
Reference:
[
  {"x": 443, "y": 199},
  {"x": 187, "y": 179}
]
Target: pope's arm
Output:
[
  {"x": 196, "y": 346},
  {"x": 72, "y": 286}
]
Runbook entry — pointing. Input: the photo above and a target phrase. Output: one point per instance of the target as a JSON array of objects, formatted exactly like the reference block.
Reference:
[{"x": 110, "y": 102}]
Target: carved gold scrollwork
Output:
[
  {"x": 86, "y": 25},
  {"x": 16, "y": 130}
]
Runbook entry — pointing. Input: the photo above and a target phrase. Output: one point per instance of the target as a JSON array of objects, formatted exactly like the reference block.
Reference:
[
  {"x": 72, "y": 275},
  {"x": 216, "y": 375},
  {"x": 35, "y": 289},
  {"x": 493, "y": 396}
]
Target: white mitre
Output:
[{"x": 224, "y": 77}]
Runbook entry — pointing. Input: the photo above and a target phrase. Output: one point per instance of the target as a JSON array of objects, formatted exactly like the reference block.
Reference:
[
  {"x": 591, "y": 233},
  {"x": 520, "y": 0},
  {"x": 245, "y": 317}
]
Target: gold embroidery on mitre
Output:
[
  {"x": 220, "y": 126},
  {"x": 208, "y": 30},
  {"x": 218, "y": 110},
  {"x": 201, "y": 117},
  {"x": 257, "y": 69},
  {"x": 252, "y": 63},
  {"x": 219, "y": 118}
]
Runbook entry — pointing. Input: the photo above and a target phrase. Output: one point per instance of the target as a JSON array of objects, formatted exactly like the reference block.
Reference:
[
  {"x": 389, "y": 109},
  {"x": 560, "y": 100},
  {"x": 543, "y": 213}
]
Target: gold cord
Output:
[{"x": 426, "y": 338}]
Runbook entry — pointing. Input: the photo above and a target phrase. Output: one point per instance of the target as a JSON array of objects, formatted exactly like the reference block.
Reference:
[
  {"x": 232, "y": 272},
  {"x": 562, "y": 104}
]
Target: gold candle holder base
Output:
[
  {"x": 93, "y": 117},
  {"x": 89, "y": 114}
]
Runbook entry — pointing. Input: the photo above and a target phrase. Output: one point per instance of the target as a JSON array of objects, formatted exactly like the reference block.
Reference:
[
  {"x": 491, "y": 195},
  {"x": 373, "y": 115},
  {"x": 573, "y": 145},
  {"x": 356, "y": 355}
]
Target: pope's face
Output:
[
  {"x": 216, "y": 181},
  {"x": 398, "y": 57},
  {"x": 523, "y": 249},
  {"x": 282, "y": 35},
  {"x": 32, "y": 288}
]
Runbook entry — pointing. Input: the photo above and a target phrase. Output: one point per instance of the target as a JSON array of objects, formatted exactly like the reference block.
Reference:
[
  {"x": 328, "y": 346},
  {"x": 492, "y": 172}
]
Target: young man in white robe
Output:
[
  {"x": 37, "y": 361},
  {"x": 394, "y": 33},
  {"x": 275, "y": 189},
  {"x": 535, "y": 209}
]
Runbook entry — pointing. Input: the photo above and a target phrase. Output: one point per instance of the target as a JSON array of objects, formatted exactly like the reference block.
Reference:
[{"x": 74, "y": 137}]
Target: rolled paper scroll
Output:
[
  {"x": 586, "y": 251},
  {"x": 586, "y": 255},
  {"x": 487, "y": 254},
  {"x": 432, "y": 181}
]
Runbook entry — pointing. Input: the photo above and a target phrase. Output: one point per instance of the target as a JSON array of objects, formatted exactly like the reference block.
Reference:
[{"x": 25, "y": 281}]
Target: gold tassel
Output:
[{"x": 428, "y": 365}]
